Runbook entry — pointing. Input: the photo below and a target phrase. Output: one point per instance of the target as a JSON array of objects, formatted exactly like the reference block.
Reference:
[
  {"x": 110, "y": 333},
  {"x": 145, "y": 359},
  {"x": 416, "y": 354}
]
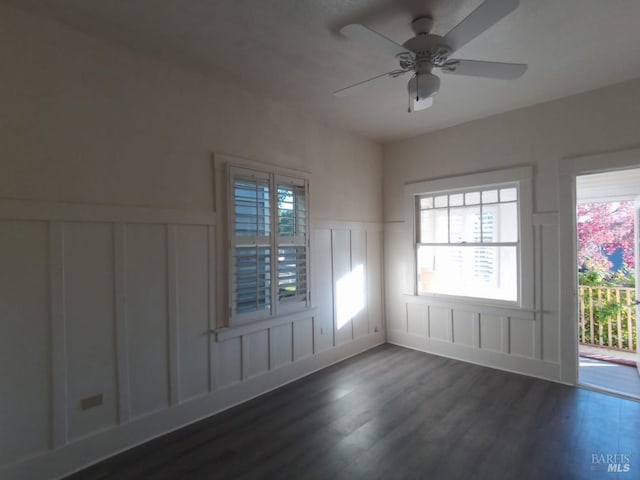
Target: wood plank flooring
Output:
[{"x": 394, "y": 413}]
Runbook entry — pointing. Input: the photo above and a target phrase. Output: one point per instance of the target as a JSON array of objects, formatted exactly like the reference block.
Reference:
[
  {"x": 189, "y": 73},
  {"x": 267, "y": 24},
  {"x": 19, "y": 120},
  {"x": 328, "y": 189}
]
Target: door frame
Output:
[
  {"x": 568, "y": 169},
  {"x": 636, "y": 272}
]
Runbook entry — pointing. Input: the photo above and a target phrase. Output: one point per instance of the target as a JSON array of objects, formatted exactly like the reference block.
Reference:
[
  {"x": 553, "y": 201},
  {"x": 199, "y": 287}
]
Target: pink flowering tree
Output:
[{"x": 603, "y": 229}]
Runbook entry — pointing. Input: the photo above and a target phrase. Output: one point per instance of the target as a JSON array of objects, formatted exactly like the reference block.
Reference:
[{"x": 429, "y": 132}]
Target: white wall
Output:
[
  {"x": 601, "y": 121},
  {"x": 86, "y": 122},
  {"x": 107, "y": 240}
]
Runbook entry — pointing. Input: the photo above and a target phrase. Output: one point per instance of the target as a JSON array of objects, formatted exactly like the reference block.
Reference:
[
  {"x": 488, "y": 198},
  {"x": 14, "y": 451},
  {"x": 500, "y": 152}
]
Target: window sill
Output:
[
  {"x": 473, "y": 305},
  {"x": 226, "y": 333}
]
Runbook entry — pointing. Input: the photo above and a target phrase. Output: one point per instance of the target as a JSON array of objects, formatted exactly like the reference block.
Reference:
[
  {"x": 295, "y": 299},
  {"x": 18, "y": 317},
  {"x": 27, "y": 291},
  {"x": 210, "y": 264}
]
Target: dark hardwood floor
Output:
[{"x": 393, "y": 413}]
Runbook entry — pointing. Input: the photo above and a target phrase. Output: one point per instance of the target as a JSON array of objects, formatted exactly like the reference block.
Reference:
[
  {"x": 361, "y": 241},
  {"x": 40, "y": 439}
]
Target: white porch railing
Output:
[{"x": 608, "y": 317}]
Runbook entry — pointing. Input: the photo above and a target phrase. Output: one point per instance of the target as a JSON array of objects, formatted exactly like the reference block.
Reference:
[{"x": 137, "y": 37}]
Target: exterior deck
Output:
[{"x": 616, "y": 378}]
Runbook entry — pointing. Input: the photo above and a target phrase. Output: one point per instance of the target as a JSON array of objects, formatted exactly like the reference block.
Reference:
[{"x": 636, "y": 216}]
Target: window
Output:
[
  {"x": 471, "y": 239},
  {"x": 467, "y": 243},
  {"x": 269, "y": 248}
]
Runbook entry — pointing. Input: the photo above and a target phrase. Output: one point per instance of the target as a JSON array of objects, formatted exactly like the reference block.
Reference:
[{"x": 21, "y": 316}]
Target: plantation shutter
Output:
[
  {"x": 292, "y": 245},
  {"x": 268, "y": 244},
  {"x": 251, "y": 242}
]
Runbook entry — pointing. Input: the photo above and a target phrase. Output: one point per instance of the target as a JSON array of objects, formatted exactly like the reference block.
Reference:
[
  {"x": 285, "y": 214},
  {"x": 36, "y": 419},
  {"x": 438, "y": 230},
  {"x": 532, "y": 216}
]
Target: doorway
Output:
[{"x": 607, "y": 219}]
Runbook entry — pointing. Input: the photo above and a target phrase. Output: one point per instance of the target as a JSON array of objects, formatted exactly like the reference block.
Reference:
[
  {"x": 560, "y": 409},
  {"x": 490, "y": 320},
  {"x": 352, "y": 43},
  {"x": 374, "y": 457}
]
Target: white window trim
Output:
[
  {"x": 275, "y": 174},
  {"x": 522, "y": 176}
]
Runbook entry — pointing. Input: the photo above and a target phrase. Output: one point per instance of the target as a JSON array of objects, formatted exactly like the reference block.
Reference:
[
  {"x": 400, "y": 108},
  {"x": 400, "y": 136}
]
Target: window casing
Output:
[
  {"x": 468, "y": 243},
  {"x": 268, "y": 244}
]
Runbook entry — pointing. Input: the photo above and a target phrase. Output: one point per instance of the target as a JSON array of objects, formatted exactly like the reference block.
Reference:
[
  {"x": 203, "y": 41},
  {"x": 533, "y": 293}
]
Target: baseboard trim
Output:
[{"x": 485, "y": 358}]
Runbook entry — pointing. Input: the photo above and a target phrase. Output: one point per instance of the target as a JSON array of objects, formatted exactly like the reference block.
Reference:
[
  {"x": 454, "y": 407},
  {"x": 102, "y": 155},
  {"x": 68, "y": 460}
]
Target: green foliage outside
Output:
[
  {"x": 606, "y": 308},
  {"x": 624, "y": 277}
]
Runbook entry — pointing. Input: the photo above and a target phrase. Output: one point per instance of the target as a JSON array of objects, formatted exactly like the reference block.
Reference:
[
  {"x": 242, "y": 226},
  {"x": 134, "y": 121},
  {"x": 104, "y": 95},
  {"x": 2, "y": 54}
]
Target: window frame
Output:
[
  {"x": 521, "y": 178},
  {"x": 295, "y": 241},
  {"x": 277, "y": 307}
]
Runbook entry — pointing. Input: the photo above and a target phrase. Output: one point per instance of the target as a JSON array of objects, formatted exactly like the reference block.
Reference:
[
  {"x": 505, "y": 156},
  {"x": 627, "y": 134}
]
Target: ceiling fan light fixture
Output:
[
  {"x": 422, "y": 87},
  {"x": 417, "y": 105}
]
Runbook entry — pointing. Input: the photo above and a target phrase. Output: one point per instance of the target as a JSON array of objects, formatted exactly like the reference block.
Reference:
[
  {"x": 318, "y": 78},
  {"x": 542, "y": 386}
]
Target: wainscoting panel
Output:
[
  {"x": 322, "y": 288},
  {"x": 439, "y": 326},
  {"x": 25, "y": 345},
  {"x": 303, "y": 339},
  {"x": 395, "y": 277},
  {"x": 146, "y": 320},
  {"x": 550, "y": 323},
  {"x": 375, "y": 280},
  {"x": 477, "y": 334},
  {"x": 521, "y": 337},
  {"x": 417, "y": 319},
  {"x": 192, "y": 281},
  {"x": 343, "y": 283},
  {"x": 464, "y": 328},
  {"x": 109, "y": 313},
  {"x": 255, "y": 354},
  {"x": 360, "y": 320},
  {"x": 89, "y": 327},
  {"x": 491, "y": 332},
  {"x": 281, "y": 345},
  {"x": 228, "y": 362}
]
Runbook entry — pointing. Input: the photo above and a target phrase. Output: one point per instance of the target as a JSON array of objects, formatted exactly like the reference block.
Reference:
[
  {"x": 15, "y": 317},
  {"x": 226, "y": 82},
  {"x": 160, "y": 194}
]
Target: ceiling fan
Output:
[{"x": 427, "y": 51}]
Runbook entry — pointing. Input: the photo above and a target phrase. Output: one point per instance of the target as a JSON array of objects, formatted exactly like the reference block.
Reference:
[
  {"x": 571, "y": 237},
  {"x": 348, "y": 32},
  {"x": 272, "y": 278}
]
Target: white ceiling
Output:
[{"x": 290, "y": 50}]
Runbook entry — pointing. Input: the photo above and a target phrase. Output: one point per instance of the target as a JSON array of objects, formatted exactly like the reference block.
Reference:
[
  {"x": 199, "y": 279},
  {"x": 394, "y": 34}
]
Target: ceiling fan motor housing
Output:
[{"x": 429, "y": 51}]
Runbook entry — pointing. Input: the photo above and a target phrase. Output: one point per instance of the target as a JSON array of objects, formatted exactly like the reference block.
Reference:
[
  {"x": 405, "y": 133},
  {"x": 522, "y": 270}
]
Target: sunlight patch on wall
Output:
[{"x": 350, "y": 296}]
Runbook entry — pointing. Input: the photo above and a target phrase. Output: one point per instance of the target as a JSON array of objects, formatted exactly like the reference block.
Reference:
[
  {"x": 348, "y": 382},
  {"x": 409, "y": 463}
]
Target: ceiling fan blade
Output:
[
  {"x": 483, "y": 17},
  {"x": 374, "y": 40},
  {"x": 476, "y": 68},
  {"x": 343, "y": 92}
]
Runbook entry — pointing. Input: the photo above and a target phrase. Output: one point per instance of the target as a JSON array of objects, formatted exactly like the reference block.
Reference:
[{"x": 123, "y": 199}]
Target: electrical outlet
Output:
[
  {"x": 375, "y": 329},
  {"x": 91, "y": 402}
]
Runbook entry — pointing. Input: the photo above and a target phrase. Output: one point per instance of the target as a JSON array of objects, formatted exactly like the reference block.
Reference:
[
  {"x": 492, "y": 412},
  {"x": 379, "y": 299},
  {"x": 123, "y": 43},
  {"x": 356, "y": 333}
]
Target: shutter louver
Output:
[
  {"x": 252, "y": 280},
  {"x": 252, "y": 207},
  {"x": 251, "y": 250},
  {"x": 292, "y": 274}
]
